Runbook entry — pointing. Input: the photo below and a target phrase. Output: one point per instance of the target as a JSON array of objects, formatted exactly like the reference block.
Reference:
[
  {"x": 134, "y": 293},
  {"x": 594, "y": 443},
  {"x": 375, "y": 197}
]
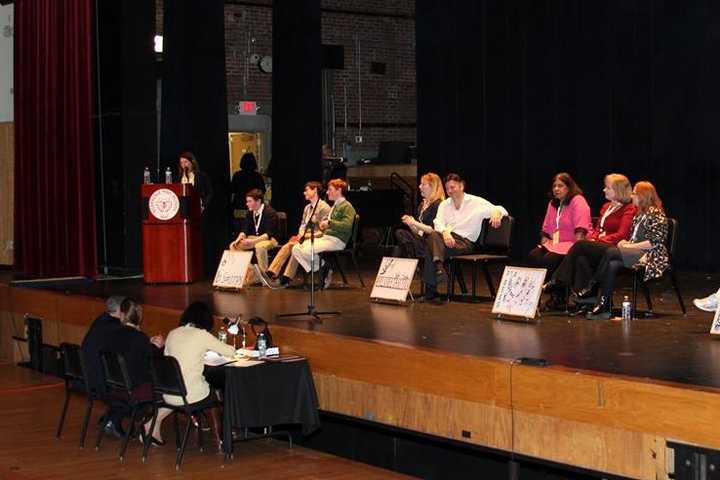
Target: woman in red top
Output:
[{"x": 616, "y": 218}]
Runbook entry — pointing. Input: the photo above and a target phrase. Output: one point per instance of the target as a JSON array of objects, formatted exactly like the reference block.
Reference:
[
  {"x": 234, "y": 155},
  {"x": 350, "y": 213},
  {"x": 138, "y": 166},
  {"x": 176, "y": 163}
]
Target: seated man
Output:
[
  {"x": 258, "y": 229},
  {"x": 336, "y": 230},
  {"x": 457, "y": 227},
  {"x": 319, "y": 210},
  {"x": 102, "y": 327}
]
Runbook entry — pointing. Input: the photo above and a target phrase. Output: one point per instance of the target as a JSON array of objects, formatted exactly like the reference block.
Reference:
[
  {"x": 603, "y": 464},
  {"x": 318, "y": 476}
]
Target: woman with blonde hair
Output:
[
  {"x": 616, "y": 217},
  {"x": 411, "y": 241},
  {"x": 646, "y": 248}
]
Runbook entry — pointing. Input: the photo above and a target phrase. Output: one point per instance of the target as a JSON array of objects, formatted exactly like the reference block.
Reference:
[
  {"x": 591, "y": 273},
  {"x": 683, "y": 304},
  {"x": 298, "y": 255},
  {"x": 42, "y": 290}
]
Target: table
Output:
[{"x": 272, "y": 393}]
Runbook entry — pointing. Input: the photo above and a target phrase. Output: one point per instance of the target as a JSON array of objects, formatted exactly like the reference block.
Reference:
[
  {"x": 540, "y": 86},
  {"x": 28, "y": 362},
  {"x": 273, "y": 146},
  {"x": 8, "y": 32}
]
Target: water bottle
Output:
[
  {"x": 146, "y": 176},
  {"x": 626, "y": 309},
  {"x": 261, "y": 344},
  {"x": 168, "y": 175},
  {"x": 222, "y": 334}
]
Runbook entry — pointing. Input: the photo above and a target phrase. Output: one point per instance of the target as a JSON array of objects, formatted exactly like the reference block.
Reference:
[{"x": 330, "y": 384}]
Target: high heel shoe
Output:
[
  {"x": 153, "y": 441},
  {"x": 586, "y": 292},
  {"x": 550, "y": 285},
  {"x": 601, "y": 310}
]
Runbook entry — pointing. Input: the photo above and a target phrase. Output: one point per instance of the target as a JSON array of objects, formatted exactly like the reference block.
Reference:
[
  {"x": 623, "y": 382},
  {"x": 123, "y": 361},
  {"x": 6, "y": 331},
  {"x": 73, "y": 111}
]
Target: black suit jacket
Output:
[
  {"x": 96, "y": 339},
  {"x": 136, "y": 348},
  {"x": 268, "y": 223}
]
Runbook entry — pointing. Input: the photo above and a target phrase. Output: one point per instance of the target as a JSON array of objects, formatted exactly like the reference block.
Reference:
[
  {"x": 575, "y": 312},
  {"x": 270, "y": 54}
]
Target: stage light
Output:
[{"x": 158, "y": 43}]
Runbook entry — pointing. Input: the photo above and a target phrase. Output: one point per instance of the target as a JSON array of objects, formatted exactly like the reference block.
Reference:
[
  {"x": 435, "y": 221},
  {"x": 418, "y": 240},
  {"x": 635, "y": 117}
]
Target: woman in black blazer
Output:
[
  {"x": 411, "y": 241},
  {"x": 189, "y": 172}
]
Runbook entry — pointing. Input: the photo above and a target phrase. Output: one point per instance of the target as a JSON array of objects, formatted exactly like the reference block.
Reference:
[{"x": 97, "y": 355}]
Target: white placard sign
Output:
[
  {"x": 519, "y": 291},
  {"x": 232, "y": 269},
  {"x": 715, "y": 327},
  {"x": 393, "y": 279}
]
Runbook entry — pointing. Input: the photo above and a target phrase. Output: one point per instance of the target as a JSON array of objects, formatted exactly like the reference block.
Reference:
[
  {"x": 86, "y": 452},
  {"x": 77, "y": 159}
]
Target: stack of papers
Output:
[
  {"x": 245, "y": 352},
  {"x": 214, "y": 359}
]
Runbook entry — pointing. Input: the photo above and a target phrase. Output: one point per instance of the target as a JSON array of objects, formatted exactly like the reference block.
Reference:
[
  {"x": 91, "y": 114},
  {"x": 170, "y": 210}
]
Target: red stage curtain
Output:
[{"x": 54, "y": 166}]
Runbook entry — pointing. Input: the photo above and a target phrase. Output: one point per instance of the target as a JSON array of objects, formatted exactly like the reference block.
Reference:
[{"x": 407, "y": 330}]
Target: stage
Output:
[{"x": 612, "y": 397}]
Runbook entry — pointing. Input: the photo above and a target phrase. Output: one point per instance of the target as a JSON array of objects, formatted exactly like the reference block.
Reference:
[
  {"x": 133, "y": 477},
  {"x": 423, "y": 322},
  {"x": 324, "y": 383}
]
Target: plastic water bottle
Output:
[
  {"x": 222, "y": 334},
  {"x": 168, "y": 175},
  {"x": 261, "y": 344},
  {"x": 626, "y": 309},
  {"x": 146, "y": 176}
]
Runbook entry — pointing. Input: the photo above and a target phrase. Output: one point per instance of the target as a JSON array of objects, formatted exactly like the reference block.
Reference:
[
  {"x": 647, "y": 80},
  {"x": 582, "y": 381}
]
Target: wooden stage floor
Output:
[
  {"x": 29, "y": 449},
  {"x": 670, "y": 347},
  {"x": 613, "y": 400}
]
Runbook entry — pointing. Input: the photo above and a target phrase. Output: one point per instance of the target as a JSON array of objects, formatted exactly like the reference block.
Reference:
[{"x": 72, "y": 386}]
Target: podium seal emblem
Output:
[{"x": 164, "y": 204}]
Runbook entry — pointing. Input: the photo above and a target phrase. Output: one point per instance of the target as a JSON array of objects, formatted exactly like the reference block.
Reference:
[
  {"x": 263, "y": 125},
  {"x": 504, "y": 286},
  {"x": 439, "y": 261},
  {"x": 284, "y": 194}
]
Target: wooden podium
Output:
[{"x": 172, "y": 242}]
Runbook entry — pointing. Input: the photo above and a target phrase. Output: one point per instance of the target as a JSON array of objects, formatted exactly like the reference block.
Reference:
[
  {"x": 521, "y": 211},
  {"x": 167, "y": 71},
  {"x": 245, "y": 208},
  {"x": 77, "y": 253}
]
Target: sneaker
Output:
[
  {"x": 262, "y": 277},
  {"x": 328, "y": 279},
  {"x": 709, "y": 303}
]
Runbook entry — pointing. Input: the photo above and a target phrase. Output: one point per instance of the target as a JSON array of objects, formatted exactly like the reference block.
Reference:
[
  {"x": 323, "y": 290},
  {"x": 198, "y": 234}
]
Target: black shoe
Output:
[
  {"x": 270, "y": 275},
  {"x": 114, "y": 429},
  {"x": 430, "y": 296},
  {"x": 601, "y": 310},
  {"x": 550, "y": 285},
  {"x": 554, "y": 304},
  {"x": 440, "y": 274},
  {"x": 586, "y": 292}
]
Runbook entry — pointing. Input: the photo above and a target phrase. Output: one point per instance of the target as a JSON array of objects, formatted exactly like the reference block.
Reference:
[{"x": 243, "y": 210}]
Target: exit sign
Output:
[{"x": 247, "y": 108}]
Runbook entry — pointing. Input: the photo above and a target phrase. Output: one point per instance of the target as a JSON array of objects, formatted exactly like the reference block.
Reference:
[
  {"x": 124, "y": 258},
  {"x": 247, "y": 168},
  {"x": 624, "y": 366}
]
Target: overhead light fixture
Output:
[{"x": 158, "y": 43}]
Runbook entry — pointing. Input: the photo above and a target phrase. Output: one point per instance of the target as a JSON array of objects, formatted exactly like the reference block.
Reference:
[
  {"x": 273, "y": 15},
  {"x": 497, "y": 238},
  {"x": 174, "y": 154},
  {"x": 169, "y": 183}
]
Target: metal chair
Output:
[
  {"x": 332, "y": 259},
  {"x": 75, "y": 382},
  {"x": 117, "y": 379},
  {"x": 168, "y": 380},
  {"x": 494, "y": 246},
  {"x": 638, "y": 273}
]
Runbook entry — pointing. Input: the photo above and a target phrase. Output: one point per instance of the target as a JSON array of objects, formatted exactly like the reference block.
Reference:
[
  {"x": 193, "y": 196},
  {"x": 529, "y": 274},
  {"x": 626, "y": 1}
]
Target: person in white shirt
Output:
[
  {"x": 319, "y": 210},
  {"x": 457, "y": 227},
  {"x": 188, "y": 344}
]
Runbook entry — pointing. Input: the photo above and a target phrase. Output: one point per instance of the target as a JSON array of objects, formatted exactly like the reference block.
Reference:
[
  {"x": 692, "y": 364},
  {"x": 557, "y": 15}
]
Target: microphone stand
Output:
[{"x": 310, "y": 312}]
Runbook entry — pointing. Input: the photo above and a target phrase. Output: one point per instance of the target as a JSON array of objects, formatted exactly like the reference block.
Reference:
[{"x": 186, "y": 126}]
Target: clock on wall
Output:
[{"x": 266, "y": 64}]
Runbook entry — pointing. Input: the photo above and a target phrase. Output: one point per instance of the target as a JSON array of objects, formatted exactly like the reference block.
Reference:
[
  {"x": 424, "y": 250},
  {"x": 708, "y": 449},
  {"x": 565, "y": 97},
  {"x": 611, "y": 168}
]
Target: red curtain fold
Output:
[{"x": 54, "y": 165}]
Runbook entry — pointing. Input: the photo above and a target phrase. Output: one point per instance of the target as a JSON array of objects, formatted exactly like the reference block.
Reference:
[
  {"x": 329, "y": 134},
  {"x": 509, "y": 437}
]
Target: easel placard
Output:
[
  {"x": 715, "y": 327},
  {"x": 393, "y": 280},
  {"x": 519, "y": 291},
  {"x": 232, "y": 269}
]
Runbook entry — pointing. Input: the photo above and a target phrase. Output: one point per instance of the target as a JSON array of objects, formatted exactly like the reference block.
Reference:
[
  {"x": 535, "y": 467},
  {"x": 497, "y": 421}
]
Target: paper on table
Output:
[
  {"x": 245, "y": 362},
  {"x": 214, "y": 359}
]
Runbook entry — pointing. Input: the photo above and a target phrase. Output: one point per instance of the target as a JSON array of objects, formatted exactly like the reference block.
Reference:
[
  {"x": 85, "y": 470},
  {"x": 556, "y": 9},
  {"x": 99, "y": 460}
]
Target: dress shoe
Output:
[
  {"x": 554, "y": 304},
  {"x": 601, "y": 310},
  {"x": 440, "y": 274},
  {"x": 114, "y": 429},
  {"x": 586, "y": 292},
  {"x": 430, "y": 296},
  {"x": 153, "y": 441}
]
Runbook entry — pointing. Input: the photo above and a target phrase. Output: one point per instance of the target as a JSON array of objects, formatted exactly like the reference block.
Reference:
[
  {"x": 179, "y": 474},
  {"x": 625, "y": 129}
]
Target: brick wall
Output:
[{"x": 385, "y": 33}]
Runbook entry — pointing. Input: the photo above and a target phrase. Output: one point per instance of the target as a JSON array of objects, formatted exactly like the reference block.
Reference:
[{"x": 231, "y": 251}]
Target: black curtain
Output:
[
  {"x": 126, "y": 126},
  {"x": 511, "y": 92},
  {"x": 297, "y": 103},
  {"x": 194, "y": 109}
]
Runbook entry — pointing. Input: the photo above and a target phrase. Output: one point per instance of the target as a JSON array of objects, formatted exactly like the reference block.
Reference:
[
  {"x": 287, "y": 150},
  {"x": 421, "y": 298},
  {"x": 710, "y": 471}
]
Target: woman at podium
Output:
[{"x": 189, "y": 172}]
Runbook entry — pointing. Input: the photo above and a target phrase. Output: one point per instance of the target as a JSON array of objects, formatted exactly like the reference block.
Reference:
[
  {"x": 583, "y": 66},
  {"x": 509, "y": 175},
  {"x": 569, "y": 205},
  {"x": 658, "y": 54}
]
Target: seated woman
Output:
[
  {"x": 646, "y": 247},
  {"x": 411, "y": 241},
  {"x": 188, "y": 344},
  {"x": 567, "y": 220},
  {"x": 616, "y": 217}
]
